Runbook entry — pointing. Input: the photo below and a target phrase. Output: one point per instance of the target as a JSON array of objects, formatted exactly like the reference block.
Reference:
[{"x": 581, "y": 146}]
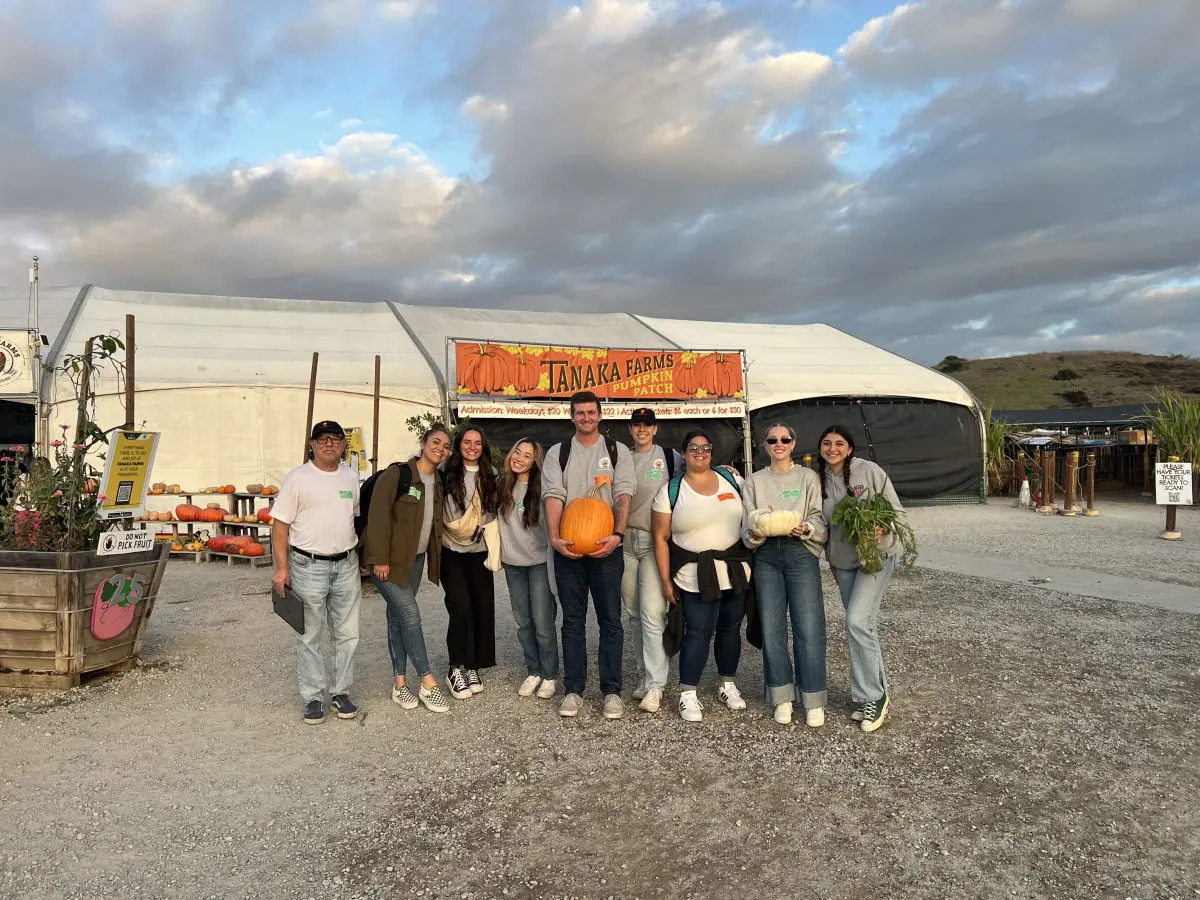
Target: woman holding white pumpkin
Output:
[{"x": 786, "y": 527}]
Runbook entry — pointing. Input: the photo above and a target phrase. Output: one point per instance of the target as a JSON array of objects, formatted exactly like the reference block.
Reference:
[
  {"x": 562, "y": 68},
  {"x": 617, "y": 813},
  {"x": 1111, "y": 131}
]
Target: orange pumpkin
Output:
[
  {"x": 185, "y": 512},
  {"x": 585, "y": 522},
  {"x": 252, "y": 549},
  {"x": 720, "y": 374},
  {"x": 211, "y": 515},
  {"x": 270, "y": 490},
  {"x": 264, "y": 516},
  {"x": 488, "y": 369}
]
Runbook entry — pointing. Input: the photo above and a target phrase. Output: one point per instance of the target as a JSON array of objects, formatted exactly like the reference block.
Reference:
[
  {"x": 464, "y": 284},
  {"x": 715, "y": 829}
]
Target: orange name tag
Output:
[
  {"x": 603, "y": 479},
  {"x": 726, "y": 496}
]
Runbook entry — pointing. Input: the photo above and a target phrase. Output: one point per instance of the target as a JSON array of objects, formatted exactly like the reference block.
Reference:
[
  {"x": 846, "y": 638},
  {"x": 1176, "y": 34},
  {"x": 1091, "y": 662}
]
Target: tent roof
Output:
[{"x": 187, "y": 339}]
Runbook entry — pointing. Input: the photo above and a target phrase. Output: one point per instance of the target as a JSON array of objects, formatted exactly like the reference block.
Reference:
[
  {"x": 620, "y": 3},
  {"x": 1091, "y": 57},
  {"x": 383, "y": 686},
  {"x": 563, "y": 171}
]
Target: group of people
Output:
[{"x": 683, "y": 568}]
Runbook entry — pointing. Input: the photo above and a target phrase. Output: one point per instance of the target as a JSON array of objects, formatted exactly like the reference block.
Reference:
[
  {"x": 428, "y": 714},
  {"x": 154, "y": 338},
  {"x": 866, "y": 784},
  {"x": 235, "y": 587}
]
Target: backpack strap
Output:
[
  {"x": 670, "y": 457},
  {"x": 564, "y": 453},
  {"x": 674, "y": 484}
]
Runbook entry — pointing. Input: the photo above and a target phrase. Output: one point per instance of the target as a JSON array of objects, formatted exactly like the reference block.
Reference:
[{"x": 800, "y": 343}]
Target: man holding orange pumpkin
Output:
[
  {"x": 589, "y": 466},
  {"x": 313, "y": 542}
]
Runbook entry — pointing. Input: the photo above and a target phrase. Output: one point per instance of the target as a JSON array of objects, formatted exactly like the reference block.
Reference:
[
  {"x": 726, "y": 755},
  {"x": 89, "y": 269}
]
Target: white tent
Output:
[{"x": 225, "y": 378}]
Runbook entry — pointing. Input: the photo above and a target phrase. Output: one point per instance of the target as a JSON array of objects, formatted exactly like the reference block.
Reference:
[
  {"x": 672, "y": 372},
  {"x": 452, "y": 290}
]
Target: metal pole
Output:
[
  {"x": 1069, "y": 508},
  {"x": 312, "y": 398},
  {"x": 747, "y": 432},
  {"x": 1091, "y": 485},
  {"x": 375, "y": 423},
  {"x": 130, "y": 364}
]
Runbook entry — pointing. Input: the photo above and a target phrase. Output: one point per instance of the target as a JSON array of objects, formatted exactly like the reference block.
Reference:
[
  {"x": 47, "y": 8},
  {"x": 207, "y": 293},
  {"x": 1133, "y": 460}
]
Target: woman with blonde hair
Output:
[{"x": 523, "y": 548}]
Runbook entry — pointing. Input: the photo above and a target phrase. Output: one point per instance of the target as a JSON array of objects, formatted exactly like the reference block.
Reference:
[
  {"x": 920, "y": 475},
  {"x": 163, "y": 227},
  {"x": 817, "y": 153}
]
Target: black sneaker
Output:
[
  {"x": 314, "y": 713},
  {"x": 474, "y": 681},
  {"x": 456, "y": 680},
  {"x": 344, "y": 707}
]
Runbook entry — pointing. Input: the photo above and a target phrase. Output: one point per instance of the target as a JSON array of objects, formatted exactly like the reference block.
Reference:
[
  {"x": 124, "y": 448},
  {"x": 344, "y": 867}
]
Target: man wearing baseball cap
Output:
[{"x": 313, "y": 542}]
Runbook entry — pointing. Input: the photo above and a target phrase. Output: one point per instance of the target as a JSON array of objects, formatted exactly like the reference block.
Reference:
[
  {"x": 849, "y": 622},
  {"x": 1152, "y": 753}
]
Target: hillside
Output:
[{"x": 1078, "y": 378}]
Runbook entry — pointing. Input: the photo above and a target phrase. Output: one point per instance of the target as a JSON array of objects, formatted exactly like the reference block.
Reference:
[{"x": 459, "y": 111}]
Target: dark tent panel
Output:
[
  {"x": 17, "y": 422},
  {"x": 931, "y": 449}
]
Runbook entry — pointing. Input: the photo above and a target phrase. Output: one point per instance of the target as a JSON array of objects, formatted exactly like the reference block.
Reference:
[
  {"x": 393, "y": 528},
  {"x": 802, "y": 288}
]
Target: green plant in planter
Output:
[
  {"x": 998, "y": 434},
  {"x": 51, "y": 503},
  {"x": 1176, "y": 427}
]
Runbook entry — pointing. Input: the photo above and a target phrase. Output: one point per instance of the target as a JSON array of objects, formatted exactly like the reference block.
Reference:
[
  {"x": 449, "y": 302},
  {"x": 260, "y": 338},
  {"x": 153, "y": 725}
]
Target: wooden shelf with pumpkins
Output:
[{"x": 234, "y": 528}]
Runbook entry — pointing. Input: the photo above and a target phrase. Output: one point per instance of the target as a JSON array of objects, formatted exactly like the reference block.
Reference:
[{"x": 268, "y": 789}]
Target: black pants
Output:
[{"x": 471, "y": 603}]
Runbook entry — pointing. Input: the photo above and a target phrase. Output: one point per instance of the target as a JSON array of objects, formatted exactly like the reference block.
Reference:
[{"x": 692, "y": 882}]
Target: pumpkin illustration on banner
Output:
[
  {"x": 687, "y": 376},
  {"x": 720, "y": 374},
  {"x": 527, "y": 369},
  {"x": 488, "y": 370},
  {"x": 586, "y": 522},
  {"x": 114, "y": 605}
]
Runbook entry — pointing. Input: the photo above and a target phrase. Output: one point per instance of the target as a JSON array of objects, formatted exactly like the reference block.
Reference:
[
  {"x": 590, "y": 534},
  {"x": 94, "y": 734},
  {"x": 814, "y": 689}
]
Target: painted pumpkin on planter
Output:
[
  {"x": 585, "y": 522},
  {"x": 488, "y": 369},
  {"x": 774, "y": 522}
]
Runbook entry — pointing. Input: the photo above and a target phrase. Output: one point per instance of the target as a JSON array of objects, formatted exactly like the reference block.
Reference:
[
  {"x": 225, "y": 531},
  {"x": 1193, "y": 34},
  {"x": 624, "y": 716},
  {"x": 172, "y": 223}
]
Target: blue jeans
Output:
[
  {"x": 332, "y": 593},
  {"x": 787, "y": 578},
  {"x": 862, "y": 595},
  {"x": 533, "y": 608},
  {"x": 645, "y": 608},
  {"x": 701, "y": 620},
  {"x": 405, "y": 638},
  {"x": 603, "y": 577}
]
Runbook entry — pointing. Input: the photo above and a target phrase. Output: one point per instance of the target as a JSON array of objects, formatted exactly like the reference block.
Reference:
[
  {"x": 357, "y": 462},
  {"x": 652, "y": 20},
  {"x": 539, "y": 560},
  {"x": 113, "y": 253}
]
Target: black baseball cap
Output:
[
  {"x": 643, "y": 414},
  {"x": 327, "y": 426}
]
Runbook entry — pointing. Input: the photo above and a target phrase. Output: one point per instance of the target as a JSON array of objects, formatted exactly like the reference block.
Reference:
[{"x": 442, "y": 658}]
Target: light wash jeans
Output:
[
  {"x": 787, "y": 579},
  {"x": 534, "y": 609},
  {"x": 332, "y": 593},
  {"x": 645, "y": 608},
  {"x": 406, "y": 640},
  {"x": 862, "y": 595}
]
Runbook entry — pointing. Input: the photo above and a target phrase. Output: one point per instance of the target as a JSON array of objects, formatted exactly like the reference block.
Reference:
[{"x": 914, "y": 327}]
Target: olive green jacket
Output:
[{"x": 391, "y": 535}]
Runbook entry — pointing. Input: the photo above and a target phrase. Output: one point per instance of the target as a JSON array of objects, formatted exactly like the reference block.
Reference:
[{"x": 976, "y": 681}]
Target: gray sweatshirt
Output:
[
  {"x": 452, "y": 511},
  {"x": 521, "y": 546},
  {"x": 586, "y": 465},
  {"x": 866, "y": 480},
  {"x": 650, "y": 474},
  {"x": 798, "y": 489}
]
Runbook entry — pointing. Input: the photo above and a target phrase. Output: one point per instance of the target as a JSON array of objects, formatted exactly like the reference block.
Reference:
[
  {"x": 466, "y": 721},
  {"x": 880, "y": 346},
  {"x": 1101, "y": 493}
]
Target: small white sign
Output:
[
  {"x": 1173, "y": 483},
  {"x": 125, "y": 542}
]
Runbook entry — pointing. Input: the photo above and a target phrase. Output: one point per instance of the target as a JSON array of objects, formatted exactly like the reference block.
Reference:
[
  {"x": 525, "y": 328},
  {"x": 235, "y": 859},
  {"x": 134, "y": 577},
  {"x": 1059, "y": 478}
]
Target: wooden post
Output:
[
  {"x": 1048, "y": 473},
  {"x": 85, "y": 381},
  {"x": 1071, "y": 469},
  {"x": 1018, "y": 473},
  {"x": 1171, "y": 532},
  {"x": 375, "y": 423},
  {"x": 312, "y": 399},
  {"x": 1147, "y": 470},
  {"x": 1091, "y": 485},
  {"x": 130, "y": 368}
]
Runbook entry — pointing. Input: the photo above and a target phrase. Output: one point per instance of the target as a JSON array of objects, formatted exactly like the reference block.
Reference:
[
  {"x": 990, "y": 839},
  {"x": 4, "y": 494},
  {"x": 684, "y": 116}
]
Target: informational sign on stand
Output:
[
  {"x": 356, "y": 454},
  {"x": 127, "y": 474},
  {"x": 1173, "y": 483}
]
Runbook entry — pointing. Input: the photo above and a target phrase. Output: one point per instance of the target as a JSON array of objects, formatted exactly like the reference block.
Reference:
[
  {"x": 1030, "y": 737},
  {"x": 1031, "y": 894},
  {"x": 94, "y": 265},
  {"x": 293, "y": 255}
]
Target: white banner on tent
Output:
[
  {"x": 526, "y": 409},
  {"x": 17, "y": 377}
]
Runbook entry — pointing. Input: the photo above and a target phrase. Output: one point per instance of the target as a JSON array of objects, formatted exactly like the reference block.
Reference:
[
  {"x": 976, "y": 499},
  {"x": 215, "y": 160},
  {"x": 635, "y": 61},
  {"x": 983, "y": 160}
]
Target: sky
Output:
[{"x": 969, "y": 177}]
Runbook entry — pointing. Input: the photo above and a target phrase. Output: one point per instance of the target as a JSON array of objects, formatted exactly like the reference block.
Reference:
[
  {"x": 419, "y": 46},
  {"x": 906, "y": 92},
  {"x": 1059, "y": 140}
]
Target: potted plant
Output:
[{"x": 64, "y": 608}]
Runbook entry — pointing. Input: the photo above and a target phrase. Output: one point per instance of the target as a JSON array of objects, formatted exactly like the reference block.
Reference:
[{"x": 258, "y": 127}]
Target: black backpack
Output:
[
  {"x": 368, "y": 488},
  {"x": 670, "y": 455}
]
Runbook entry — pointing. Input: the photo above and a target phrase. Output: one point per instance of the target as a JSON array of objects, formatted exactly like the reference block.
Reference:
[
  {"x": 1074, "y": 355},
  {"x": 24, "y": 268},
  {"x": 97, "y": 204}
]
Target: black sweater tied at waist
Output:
[{"x": 710, "y": 588}]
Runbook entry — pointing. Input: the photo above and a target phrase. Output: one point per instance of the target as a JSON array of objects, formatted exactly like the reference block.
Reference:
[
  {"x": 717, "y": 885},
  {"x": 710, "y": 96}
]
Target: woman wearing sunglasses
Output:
[
  {"x": 697, "y": 520},
  {"x": 787, "y": 579}
]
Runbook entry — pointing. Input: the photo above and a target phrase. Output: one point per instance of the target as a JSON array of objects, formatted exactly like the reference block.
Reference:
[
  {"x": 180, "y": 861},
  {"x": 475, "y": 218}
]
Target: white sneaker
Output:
[
  {"x": 690, "y": 709},
  {"x": 434, "y": 699},
  {"x": 528, "y": 686},
  {"x": 815, "y": 717},
  {"x": 546, "y": 691},
  {"x": 730, "y": 696},
  {"x": 639, "y": 692},
  {"x": 571, "y": 705},
  {"x": 403, "y": 697},
  {"x": 652, "y": 702},
  {"x": 613, "y": 707},
  {"x": 783, "y": 713}
]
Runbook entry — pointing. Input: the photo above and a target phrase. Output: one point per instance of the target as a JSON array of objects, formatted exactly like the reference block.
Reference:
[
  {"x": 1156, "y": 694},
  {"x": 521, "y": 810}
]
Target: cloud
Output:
[{"x": 349, "y": 123}]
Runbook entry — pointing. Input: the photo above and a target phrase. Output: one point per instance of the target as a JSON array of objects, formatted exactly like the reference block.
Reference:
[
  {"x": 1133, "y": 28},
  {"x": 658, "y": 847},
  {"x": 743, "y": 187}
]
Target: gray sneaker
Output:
[
  {"x": 571, "y": 705},
  {"x": 640, "y": 692},
  {"x": 613, "y": 707}
]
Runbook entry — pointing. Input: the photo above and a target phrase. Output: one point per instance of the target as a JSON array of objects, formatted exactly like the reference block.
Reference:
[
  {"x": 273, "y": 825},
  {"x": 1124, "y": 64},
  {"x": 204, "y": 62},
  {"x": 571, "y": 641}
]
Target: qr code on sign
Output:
[
  {"x": 1174, "y": 497},
  {"x": 124, "y": 491}
]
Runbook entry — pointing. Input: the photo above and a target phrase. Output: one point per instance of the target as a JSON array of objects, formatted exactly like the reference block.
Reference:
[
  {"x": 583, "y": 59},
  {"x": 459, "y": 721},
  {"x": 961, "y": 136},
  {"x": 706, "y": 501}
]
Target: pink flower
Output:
[
  {"x": 79, "y": 446},
  {"x": 56, "y": 494},
  {"x": 57, "y": 443},
  {"x": 102, "y": 497},
  {"x": 17, "y": 449},
  {"x": 7, "y": 459}
]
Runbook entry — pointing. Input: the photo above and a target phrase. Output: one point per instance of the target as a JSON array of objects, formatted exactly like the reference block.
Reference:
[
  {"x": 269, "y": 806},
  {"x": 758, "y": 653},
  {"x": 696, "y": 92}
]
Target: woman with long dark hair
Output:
[
  {"x": 471, "y": 492},
  {"x": 842, "y": 473},
  {"x": 523, "y": 548}
]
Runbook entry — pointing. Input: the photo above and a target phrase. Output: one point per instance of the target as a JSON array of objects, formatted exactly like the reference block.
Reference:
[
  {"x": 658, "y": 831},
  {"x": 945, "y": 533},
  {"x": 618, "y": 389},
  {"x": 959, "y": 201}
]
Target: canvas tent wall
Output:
[{"x": 225, "y": 379}]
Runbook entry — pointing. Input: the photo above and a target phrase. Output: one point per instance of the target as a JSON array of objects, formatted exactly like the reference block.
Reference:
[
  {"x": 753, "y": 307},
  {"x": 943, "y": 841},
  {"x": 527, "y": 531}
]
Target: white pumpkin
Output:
[{"x": 774, "y": 522}]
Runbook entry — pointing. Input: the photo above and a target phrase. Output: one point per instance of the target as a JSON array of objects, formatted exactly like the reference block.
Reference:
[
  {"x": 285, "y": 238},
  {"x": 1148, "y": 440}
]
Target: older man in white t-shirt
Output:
[{"x": 313, "y": 542}]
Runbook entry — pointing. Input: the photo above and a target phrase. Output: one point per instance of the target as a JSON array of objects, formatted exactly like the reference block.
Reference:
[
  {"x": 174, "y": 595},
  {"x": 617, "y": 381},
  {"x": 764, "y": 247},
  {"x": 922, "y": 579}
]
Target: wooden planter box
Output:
[{"x": 65, "y": 614}]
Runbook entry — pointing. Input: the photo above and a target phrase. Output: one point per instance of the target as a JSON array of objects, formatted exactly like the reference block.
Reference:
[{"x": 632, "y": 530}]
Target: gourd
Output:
[
  {"x": 254, "y": 488},
  {"x": 774, "y": 522},
  {"x": 252, "y": 549},
  {"x": 176, "y": 547},
  {"x": 264, "y": 516},
  {"x": 585, "y": 522}
]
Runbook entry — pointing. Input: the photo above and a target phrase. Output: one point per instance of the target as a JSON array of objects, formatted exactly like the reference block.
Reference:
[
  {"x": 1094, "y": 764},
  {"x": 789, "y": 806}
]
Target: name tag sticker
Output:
[
  {"x": 346, "y": 495},
  {"x": 791, "y": 493},
  {"x": 654, "y": 476},
  {"x": 726, "y": 496},
  {"x": 414, "y": 492}
]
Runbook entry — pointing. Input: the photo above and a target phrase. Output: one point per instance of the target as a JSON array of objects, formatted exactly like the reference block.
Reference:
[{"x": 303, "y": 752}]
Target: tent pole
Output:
[
  {"x": 375, "y": 423},
  {"x": 130, "y": 354},
  {"x": 312, "y": 397},
  {"x": 747, "y": 434}
]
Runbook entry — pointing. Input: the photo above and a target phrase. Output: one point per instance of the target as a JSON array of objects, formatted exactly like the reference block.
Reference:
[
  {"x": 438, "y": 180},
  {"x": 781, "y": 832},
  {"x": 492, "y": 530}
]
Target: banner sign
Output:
[
  {"x": 1173, "y": 484},
  {"x": 16, "y": 364},
  {"x": 520, "y": 409},
  {"x": 130, "y": 458},
  {"x": 124, "y": 542},
  {"x": 509, "y": 370}
]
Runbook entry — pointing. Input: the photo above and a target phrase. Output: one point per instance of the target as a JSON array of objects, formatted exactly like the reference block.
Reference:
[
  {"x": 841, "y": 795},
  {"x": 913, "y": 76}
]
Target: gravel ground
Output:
[{"x": 1041, "y": 745}]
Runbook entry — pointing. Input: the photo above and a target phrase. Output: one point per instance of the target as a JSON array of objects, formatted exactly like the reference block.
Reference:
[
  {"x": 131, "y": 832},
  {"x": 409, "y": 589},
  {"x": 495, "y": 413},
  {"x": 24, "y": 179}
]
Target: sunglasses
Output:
[
  {"x": 778, "y": 440},
  {"x": 699, "y": 448},
  {"x": 328, "y": 439}
]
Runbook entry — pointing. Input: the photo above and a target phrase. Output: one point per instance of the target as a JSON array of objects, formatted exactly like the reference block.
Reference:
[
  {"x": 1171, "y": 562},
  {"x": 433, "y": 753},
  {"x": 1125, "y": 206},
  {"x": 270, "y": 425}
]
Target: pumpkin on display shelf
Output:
[
  {"x": 228, "y": 489},
  {"x": 176, "y": 547},
  {"x": 264, "y": 516},
  {"x": 254, "y": 488},
  {"x": 587, "y": 521},
  {"x": 270, "y": 490},
  {"x": 211, "y": 515},
  {"x": 774, "y": 522},
  {"x": 252, "y": 549}
]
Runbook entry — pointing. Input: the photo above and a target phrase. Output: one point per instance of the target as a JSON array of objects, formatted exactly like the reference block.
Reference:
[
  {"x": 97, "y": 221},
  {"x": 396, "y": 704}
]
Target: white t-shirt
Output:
[
  {"x": 319, "y": 508},
  {"x": 700, "y": 523}
]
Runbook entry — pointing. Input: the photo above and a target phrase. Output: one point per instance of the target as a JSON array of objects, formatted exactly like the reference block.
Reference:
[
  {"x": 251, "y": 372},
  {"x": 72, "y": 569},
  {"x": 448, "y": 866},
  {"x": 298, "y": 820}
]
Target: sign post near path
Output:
[{"x": 1172, "y": 488}]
